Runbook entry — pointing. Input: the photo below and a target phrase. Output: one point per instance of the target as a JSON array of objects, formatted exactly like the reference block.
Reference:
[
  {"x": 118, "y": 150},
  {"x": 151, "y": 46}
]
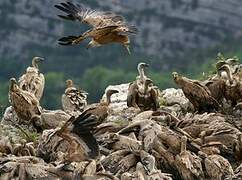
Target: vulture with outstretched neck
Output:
[
  {"x": 107, "y": 27},
  {"x": 142, "y": 93},
  {"x": 33, "y": 81}
]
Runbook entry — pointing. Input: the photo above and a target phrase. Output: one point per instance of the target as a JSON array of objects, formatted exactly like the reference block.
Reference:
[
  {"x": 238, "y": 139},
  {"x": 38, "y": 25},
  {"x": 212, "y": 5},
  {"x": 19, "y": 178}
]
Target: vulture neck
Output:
[
  {"x": 108, "y": 98},
  {"x": 141, "y": 73},
  {"x": 229, "y": 74},
  {"x": 69, "y": 84},
  {"x": 35, "y": 64}
]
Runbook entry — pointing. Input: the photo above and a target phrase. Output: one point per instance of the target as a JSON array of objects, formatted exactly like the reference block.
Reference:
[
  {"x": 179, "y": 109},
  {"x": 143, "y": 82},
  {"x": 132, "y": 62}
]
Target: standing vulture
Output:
[
  {"x": 233, "y": 88},
  {"x": 25, "y": 104},
  {"x": 142, "y": 93},
  {"x": 107, "y": 27},
  {"x": 137, "y": 85},
  {"x": 33, "y": 81},
  {"x": 199, "y": 95},
  {"x": 73, "y": 100}
]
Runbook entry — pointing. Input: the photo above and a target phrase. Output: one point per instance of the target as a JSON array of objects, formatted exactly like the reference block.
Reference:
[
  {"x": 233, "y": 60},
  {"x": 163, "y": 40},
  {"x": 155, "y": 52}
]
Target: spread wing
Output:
[{"x": 91, "y": 17}]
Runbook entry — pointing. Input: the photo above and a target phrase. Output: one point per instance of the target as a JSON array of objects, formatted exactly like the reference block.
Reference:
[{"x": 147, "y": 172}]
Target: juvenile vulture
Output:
[
  {"x": 77, "y": 132},
  {"x": 142, "y": 93},
  {"x": 25, "y": 104},
  {"x": 33, "y": 81},
  {"x": 73, "y": 100},
  {"x": 107, "y": 27},
  {"x": 101, "y": 110},
  {"x": 198, "y": 94}
]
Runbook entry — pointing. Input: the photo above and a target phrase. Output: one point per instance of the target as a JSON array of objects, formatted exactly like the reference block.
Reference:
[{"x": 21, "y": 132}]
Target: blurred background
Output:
[{"x": 174, "y": 35}]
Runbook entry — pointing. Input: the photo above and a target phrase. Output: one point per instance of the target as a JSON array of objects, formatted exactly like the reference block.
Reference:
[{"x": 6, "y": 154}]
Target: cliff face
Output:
[{"x": 167, "y": 27}]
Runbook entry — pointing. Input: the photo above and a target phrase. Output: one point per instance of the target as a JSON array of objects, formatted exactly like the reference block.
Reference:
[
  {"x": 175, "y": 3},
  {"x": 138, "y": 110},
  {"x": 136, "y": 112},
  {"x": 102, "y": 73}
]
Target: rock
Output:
[
  {"x": 51, "y": 119},
  {"x": 173, "y": 97},
  {"x": 164, "y": 144}
]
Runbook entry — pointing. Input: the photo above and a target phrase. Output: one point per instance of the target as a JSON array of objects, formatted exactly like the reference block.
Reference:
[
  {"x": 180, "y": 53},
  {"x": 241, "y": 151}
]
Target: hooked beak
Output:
[{"x": 40, "y": 59}]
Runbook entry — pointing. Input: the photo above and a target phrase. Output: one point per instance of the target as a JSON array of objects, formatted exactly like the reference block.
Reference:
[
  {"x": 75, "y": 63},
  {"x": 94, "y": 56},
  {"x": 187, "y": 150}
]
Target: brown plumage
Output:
[
  {"x": 101, "y": 110},
  {"x": 233, "y": 89},
  {"x": 142, "y": 93},
  {"x": 25, "y": 104},
  {"x": 77, "y": 132},
  {"x": 216, "y": 86},
  {"x": 107, "y": 27},
  {"x": 33, "y": 81},
  {"x": 188, "y": 164},
  {"x": 73, "y": 100},
  {"x": 198, "y": 94},
  {"x": 146, "y": 100}
]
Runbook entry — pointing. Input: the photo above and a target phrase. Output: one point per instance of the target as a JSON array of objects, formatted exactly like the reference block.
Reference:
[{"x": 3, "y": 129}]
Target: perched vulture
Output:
[
  {"x": 33, "y": 81},
  {"x": 199, "y": 95},
  {"x": 107, "y": 27},
  {"x": 137, "y": 85},
  {"x": 233, "y": 88},
  {"x": 25, "y": 104},
  {"x": 142, "y": 93},
  {"x": 141, "y": 70},
  {"x": 144, "y": 100},
  {"x": 73, "y": 100},
  {"x": 101, "y": 110}
]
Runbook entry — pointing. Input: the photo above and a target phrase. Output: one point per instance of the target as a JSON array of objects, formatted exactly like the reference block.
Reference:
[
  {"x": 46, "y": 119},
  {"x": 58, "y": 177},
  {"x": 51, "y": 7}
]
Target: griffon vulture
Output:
[
  {"x": 33, "y": 81},
  {"x": 142, "y": 93},
  {"x": 73, "y": 100},
  {"x": 107, "y": 27},
  {"x": 199, "y": 95},
  {"x": 25, "y": 104}
]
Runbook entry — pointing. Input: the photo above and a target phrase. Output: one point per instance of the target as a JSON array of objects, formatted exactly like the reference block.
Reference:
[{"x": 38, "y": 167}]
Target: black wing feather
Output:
[{"x": 83, "y": 125}]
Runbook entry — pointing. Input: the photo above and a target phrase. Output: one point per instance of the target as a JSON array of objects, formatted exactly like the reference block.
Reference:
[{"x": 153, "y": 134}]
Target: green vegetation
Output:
[{"x": 95, "y": 76}]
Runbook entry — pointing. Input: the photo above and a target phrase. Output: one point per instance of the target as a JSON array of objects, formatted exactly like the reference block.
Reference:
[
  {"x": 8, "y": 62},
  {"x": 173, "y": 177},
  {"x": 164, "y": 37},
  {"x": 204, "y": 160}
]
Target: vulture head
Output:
[
  {"x": 13, "y": 84},
  {"x": 36, "y": 61}
]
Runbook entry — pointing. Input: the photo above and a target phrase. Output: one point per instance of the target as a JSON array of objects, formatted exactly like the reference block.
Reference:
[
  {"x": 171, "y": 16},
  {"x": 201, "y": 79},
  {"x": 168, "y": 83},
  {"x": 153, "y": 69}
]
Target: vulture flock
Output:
[{"x": 135, "y": 132}]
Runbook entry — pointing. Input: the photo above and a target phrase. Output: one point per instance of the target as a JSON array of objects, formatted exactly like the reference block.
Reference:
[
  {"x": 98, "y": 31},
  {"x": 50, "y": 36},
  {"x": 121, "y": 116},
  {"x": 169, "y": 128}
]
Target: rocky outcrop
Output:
[{"x": 171, "y": 143}]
